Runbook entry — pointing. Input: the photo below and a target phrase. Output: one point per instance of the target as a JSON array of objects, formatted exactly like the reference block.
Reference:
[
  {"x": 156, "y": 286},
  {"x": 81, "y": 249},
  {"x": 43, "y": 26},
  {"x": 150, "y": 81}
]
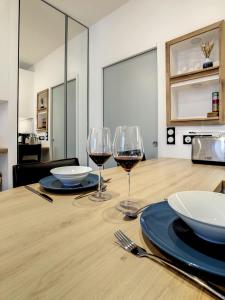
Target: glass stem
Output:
[
  {"x": 128, "y": 185},
  {"x": 99, "y": 180}
]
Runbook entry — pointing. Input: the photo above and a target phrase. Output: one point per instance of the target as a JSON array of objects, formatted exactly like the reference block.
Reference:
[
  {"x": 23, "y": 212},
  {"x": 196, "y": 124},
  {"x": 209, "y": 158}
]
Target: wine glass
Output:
[
  {"x": 99, "y": 148},
  {"x": 127, "y": 152}
]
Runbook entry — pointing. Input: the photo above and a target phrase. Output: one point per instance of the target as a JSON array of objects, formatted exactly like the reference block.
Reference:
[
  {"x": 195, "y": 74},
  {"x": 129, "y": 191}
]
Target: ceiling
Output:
[
  {"x": 42, "y": 27},
  {"x": 87, "y": 12},
  {"x": 42, "y": 30}
]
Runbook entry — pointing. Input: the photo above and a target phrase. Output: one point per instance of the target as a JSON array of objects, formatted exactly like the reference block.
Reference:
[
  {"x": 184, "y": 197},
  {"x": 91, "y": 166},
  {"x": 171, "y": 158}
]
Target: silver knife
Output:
[{"x": 46, "y": 197}]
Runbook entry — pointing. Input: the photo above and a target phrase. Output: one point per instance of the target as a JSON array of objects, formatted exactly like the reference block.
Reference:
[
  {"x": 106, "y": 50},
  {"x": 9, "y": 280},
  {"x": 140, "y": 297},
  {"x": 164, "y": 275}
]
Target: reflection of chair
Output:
[
  {"x": 29, "y": 150},
  {"x": 30, "y": 173}
]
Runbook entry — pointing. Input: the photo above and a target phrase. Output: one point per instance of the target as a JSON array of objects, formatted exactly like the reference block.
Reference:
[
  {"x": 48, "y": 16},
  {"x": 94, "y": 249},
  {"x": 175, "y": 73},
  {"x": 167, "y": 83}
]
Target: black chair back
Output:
[{"x": 30, "y": 173}]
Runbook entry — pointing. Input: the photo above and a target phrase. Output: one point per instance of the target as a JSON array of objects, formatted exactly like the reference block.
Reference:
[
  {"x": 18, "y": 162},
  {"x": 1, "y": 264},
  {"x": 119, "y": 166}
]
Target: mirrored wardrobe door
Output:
[
  {"x": 41, "y": 69},
  {"x": 53, "y": 84}
]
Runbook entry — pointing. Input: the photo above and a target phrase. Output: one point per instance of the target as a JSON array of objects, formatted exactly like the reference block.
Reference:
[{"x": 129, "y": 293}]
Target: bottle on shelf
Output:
[
  {"x": 215, "y": 105},
  {"x": 215, "y": 101}
]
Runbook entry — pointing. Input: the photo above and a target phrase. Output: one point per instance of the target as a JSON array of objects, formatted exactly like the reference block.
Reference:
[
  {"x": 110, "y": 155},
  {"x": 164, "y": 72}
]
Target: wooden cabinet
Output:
[
  {"x": 42, "y": 110},
  {"x": 189, "y": 85}
]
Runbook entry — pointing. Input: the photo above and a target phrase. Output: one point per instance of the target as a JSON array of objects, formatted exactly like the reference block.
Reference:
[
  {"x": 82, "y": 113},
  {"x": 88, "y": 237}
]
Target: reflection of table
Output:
[{"x": 65, "y": 250}]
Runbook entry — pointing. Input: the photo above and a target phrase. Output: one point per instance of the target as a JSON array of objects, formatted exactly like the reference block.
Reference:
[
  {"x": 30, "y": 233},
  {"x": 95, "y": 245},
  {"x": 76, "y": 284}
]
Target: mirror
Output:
[{"x": 52, "y": 98}]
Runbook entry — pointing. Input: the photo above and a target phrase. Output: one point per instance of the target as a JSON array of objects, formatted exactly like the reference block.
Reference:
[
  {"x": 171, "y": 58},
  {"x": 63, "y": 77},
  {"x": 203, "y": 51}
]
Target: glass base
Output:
[
  {"x": 128, "y": 206},
  {"x": 100, "y": 196}
]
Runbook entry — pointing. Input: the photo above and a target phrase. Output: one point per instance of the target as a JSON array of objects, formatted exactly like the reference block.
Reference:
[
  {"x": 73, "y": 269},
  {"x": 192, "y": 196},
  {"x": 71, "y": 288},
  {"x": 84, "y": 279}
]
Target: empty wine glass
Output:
[
  {"x": 99, "y": 148},
  {"x": 127, "y": 152}
]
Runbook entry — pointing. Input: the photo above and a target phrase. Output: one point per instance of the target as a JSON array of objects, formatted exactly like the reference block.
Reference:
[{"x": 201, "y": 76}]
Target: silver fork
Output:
[{"x": 133, "y": 248}]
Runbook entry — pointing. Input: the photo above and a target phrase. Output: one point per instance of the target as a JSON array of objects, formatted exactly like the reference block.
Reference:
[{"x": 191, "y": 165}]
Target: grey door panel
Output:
[
  {"x": 60, "y": 126},
  {"x": 130, "y": 98}
]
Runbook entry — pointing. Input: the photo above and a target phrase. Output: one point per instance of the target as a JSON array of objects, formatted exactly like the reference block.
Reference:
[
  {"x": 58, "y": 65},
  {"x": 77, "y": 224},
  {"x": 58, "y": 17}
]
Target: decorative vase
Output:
[{"x": 208, "y": 63}]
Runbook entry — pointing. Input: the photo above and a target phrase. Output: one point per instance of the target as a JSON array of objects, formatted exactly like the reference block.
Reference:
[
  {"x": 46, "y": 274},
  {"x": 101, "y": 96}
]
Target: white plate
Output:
[
  {"x": 203, "y": 211},
  {"x": 71, "y": 175}
]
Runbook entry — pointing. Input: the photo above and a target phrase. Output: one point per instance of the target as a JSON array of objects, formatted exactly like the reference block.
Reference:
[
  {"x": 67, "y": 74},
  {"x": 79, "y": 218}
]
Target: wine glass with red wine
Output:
[
  {"x": 99, "y": 148},
  {"x": 127, "y": 152}
]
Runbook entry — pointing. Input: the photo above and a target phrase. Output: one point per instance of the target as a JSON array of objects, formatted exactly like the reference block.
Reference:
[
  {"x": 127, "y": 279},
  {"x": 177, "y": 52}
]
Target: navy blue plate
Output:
[
  {"x": 168, "y": 232},
  {"x": 52, "y": 184}
]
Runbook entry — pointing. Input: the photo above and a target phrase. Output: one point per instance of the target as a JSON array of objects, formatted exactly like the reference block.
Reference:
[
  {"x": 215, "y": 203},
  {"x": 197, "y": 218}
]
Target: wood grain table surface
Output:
[{"x": 65, "y": 249}]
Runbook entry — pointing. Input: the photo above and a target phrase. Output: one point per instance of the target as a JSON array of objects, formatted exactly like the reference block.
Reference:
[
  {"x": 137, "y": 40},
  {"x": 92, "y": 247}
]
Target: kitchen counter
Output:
[{"x": 65, "y": 249}]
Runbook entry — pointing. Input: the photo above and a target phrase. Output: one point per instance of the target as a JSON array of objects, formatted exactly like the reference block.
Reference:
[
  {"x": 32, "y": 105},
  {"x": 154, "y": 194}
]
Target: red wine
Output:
[
  {"x": 127, "y": 162},
  {"x": 100, "y": 158}
]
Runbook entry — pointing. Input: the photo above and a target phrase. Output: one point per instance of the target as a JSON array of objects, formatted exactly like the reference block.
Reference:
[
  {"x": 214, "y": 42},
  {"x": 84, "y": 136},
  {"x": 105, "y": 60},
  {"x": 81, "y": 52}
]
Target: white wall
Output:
[{"x": 140, "y": 25}]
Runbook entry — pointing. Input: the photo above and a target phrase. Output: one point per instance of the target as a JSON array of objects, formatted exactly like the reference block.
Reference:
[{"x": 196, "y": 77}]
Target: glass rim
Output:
[{"x": 127, "y": 126}]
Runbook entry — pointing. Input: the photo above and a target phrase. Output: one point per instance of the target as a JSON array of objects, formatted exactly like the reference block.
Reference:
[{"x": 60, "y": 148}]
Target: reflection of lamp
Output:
[{"x": 26, "y": 125}]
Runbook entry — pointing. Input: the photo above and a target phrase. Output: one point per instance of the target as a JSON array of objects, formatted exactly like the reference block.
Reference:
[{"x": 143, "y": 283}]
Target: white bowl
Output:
[
  {"x": 203, "y": 211},
  {"x": 71, "y": 175}
]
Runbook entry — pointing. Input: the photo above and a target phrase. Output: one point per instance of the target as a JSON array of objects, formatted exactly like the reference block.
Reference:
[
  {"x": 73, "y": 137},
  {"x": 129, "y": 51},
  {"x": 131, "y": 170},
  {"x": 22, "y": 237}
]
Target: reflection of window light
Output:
[{"x": 26, "y": 125}]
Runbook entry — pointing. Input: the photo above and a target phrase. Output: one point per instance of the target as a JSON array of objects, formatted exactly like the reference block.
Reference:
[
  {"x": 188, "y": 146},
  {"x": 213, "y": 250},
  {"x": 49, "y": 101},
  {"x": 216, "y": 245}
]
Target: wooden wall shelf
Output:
[
  {"x": 195, "y": 74},
  {"x": 189, "y": 86}
]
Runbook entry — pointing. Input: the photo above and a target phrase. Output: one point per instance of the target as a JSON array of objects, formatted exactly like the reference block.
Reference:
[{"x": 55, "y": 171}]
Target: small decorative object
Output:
[
  {"x": 42, "y": 103},
  {"x": 215, "y": 101},
  {"x": 171, "y": 135},
  {"x": 207, "y": 49}
]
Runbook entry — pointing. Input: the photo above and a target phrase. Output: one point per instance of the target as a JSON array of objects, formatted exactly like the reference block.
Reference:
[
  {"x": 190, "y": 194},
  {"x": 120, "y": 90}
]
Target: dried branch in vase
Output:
[{"x": 207, "y": 49}]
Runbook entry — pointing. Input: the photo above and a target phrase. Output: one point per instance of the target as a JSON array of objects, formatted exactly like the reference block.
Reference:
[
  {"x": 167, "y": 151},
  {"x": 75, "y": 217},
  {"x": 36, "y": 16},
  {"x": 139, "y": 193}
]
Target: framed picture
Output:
[
  {"x": 42, "y": 100},
  {"x": 42, "y": 110}
]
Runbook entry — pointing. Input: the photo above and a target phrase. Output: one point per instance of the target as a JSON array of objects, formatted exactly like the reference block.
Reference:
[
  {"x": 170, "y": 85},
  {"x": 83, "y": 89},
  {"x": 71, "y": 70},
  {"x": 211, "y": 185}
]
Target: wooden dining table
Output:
[{"x": 66, "y": 249}]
